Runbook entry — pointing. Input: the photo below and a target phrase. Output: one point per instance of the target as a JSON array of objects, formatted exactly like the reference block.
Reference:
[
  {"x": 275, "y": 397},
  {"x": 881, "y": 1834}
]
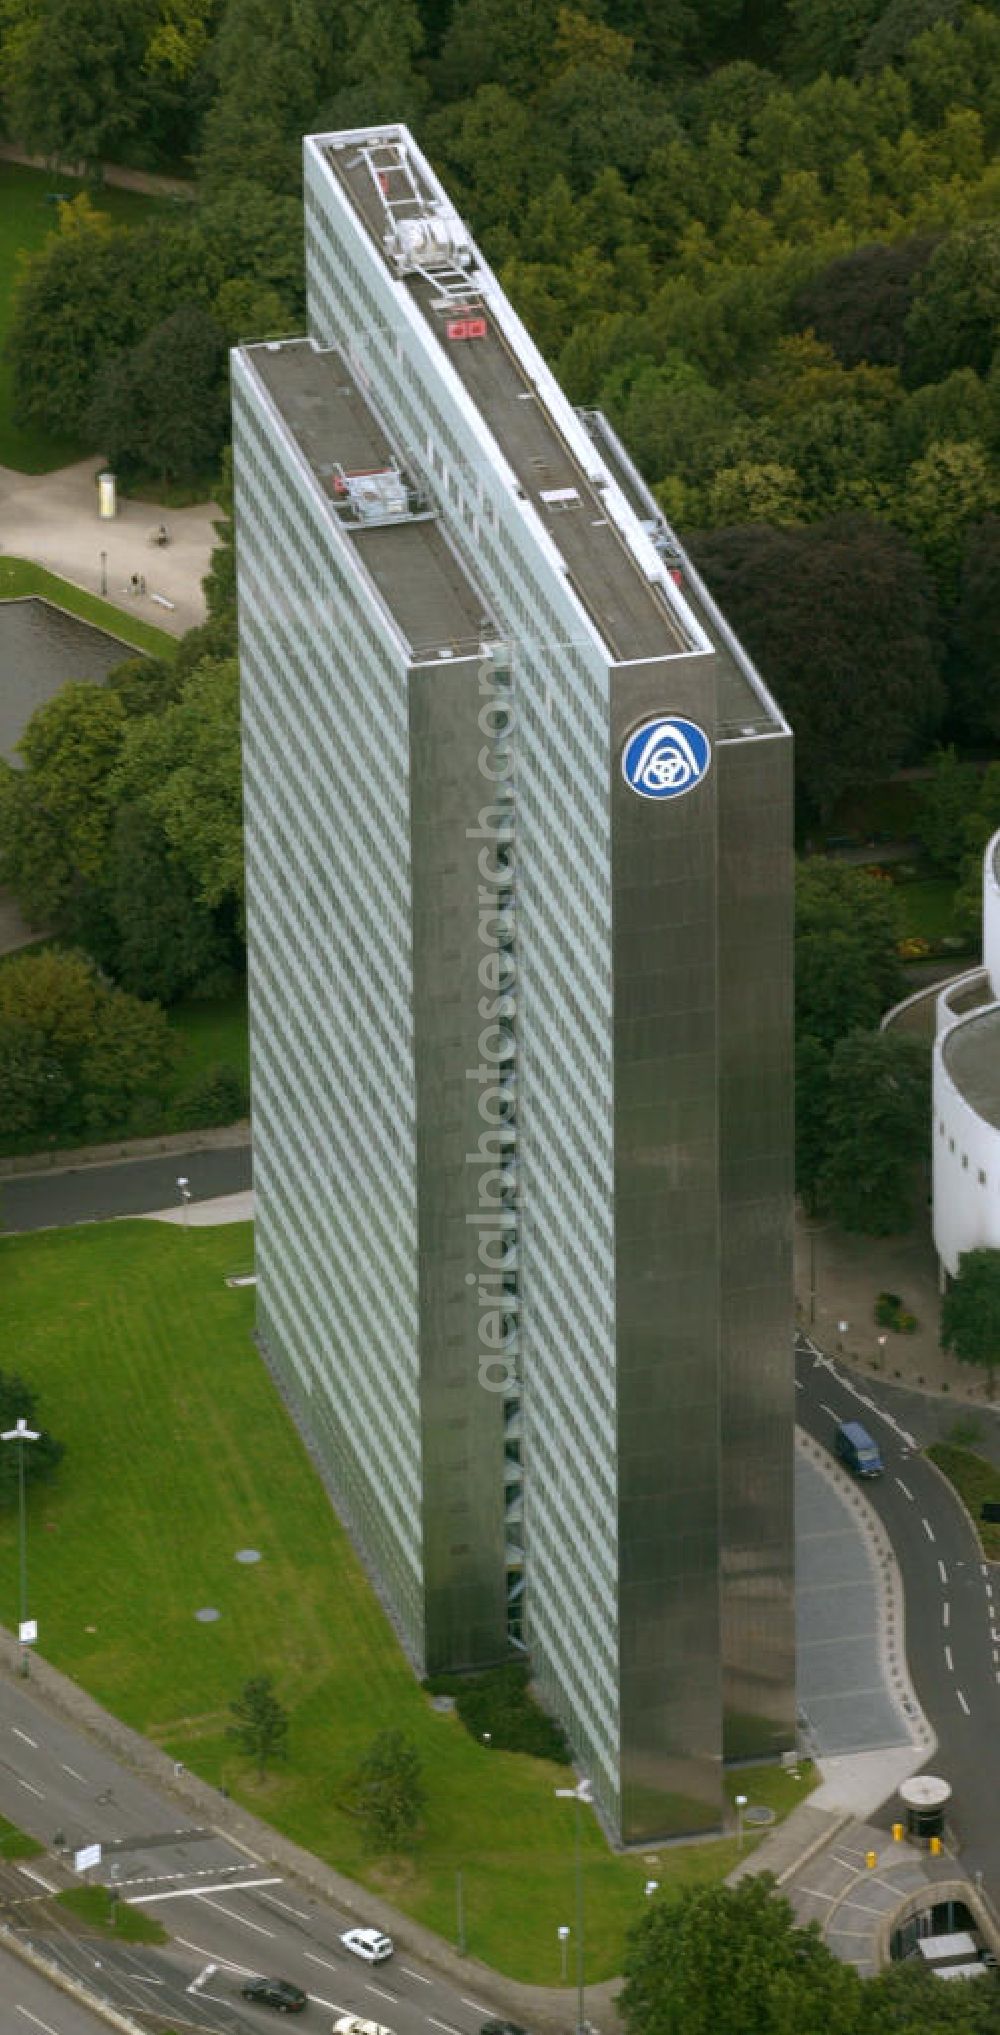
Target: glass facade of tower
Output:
[{"x": 615, "y": 1491}]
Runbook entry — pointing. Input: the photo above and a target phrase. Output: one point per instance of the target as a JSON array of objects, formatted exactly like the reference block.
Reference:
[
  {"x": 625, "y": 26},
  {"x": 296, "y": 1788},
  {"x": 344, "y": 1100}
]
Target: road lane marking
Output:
[
  {"x": 418, "y": 1975},
  {"x": 22, "y": 1783},
  {"x": 948, "y": 1658},
  {"x": 799, "y": 1387},
  {"x": 942, "y": 1571},
  {"x": 907, "y": 1493},
  {"x": 829, "y": 1410},
  {"x": 72, "y": 1770},
  {"x": 197, "y": 1983},
  {"x": 24, "y": 1735},
  {"x": 446, "y": 2025},
  {"x": 369, "y": 1988},
  {"x": 963, "y": 1702},
  {"x": 946, "y": 1613},
  {"x": 474, "y": 2004},
  {"x": 334, "y": 2005},
  {"x": 37, "y": 1877},
  {"x": 324, "y": 1961},
  {"x": 301, "y": 1914},
  {"x": 198, "y": 1894},
  {"x": 29, "y": 2016},
  {"x": 240, "y": 1846},
  {"x": 928, "y": 1529},
  {"x": 243, "y": 1920}
]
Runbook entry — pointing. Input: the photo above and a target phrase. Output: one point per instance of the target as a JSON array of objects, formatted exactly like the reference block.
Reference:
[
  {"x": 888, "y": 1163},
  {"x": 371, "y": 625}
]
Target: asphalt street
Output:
[
  {"x": 129, "y": 1187},
  {"x": 32, "y": 2005},
  {"x": 229, "y": 1913},
  {"x": 952, "y": 1607}
]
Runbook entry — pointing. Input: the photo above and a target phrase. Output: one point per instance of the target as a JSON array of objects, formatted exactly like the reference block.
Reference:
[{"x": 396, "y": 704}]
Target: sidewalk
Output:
[
  {"x": 51, "y": 519},
  {"x": 838, "y": 1278}
]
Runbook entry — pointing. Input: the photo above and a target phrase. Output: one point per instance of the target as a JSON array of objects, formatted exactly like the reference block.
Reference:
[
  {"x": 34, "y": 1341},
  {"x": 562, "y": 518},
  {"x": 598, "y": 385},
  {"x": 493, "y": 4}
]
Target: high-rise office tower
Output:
[{"x": 519, "y": 914}]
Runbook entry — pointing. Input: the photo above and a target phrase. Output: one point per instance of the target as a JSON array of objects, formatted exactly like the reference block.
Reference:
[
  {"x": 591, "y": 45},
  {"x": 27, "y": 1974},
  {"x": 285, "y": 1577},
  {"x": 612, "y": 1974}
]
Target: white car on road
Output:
[{"x": 369, "y": 1944}]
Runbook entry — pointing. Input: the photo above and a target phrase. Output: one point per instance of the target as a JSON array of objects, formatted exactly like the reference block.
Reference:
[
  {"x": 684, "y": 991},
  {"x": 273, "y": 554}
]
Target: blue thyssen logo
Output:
[{"x": 666, "y": 756}]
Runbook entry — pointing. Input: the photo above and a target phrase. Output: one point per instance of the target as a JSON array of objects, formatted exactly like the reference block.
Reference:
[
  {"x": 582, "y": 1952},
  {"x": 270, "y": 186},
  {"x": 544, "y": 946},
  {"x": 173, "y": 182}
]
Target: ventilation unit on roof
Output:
[{"x": 423, "y": 235}]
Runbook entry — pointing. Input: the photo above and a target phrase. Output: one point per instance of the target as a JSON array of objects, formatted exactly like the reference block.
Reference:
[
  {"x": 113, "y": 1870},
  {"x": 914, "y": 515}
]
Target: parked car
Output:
[
  {"x": 275, "y": 1992},
  {"x": 501, "y": 2028},
  {"x": 352, "y": 2024},
  {"x": 856, "y": 1448},
  {"x": 370, "y": 1944}
]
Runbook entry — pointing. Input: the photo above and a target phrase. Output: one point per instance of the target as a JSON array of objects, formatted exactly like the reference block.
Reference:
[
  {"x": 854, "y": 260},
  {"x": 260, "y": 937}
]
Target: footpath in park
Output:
[{"x": 52, "y": 520}]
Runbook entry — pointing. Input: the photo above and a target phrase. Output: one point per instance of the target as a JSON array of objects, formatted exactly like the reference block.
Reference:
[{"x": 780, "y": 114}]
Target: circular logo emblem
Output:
[{"x": 666, "y": 756}]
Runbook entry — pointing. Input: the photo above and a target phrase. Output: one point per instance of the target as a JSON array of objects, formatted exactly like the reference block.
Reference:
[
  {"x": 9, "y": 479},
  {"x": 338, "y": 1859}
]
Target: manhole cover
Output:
[
  {"x": 248, "y": 1554},
  {"x": 758, "y": 1813},
  {"x": 207, "y": 1617}
]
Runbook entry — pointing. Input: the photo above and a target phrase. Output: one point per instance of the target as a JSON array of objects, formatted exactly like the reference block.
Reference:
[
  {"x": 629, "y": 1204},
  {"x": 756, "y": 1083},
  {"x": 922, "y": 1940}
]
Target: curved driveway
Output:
[{"x": 952, "y": 1602}]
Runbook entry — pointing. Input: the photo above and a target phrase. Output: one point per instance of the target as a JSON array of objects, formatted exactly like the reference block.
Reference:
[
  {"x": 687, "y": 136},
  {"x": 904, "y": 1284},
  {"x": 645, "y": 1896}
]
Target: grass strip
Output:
[
  {"x": 93, "y": 1905},
  {"x": 975, "y": 1480},
  {"x": 20, "y": 577}
]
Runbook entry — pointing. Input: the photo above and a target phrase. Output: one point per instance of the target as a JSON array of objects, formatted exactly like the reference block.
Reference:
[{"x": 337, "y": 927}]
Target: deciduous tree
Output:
[
  {"x": 847, "y": 970},
  {"x": 260, "y": 1725},
  {"x": 970, "y": 1311},
  {"x": 724, "y": 1960},
  {"x": 386, "y": 1791},
  {"x": 19, "y": 1401},
  {"x": 877, "y": 1130}
]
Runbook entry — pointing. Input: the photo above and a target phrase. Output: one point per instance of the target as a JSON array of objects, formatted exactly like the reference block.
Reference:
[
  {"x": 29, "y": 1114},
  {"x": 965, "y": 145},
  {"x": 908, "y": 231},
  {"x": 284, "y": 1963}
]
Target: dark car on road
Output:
[
  {"x": 501, "y": 2028},
  {"x": 275, "y": 1992},
  {"x": 856, "y": 1448}
]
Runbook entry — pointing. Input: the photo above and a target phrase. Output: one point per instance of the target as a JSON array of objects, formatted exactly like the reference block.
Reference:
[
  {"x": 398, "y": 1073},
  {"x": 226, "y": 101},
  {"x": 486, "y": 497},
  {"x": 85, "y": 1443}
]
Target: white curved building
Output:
[{"x": 966, "y": 1095}]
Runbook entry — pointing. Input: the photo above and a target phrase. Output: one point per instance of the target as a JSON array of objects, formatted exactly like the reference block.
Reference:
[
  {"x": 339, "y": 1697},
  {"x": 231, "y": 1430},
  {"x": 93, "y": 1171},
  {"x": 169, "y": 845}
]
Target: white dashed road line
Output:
[
  {"x": 29, "y": 2016},
  {"x": 301, "y": 1914},
  {"x": 948, "y": 1658},
  {"x": 392, "y": 1997},
  {"x": 324, "y": 1961},
  {"x": 418, "y": 1975},
  {"x": 829, "y": 1410},
  {"x": 928, "y": 1529},
  {"x": 22, "y": 1783},
  {"x": 942, "y": 1571},
  {"x": 963, "y": 1702},
  {"x": 199, "y": 1893},
  {"x": 445, "y": 2025},
  {"x": 474, "y": 2004},
  {"x": 946, "y": 1613},
  {"x": 72, "y": 1770},
  {"x": 23, "y": 1735},
  {"x": 907, "y": 1493}
]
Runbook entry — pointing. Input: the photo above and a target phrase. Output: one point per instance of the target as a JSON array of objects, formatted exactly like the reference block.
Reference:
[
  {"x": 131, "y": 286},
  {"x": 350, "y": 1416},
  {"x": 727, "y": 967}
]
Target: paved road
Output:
[
  {"x": 224, "y": 1906},
  {"x": 32, "y": 2005},
  {"x": 952, "y": 1602},
  {"x": 129, "y": 1187}
]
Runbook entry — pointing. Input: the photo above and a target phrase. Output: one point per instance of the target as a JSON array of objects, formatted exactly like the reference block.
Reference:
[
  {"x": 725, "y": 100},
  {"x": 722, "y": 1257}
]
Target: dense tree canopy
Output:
[
  {"x": 840, "y": 619},
  {"x": 76, "y": 1054}
]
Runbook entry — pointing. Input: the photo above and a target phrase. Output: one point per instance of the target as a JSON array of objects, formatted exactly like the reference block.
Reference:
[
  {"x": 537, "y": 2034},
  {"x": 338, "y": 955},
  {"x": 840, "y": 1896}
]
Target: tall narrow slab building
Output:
[{"x": 519, "y": 881}]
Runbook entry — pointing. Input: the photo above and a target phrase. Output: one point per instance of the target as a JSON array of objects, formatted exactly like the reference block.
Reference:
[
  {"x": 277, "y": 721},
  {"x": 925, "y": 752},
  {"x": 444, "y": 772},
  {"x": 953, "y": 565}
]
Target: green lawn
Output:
[
  {"x": 27, "y": 216},
  {"x": 19, "y": 577},
  {"x": 210, "y": 1032},
  {"x": 926, "y": 908},
  {"x": 974, "y": 1479},
  {"x": 178, "y": 1454}
]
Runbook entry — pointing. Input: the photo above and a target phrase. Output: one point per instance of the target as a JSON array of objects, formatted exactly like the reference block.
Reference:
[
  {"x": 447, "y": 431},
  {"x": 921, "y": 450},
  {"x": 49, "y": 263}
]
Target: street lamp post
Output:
[
  {"x": 460, "y": 1911},
  {"x": 580, "y": 1794},
  {"x": 563, "y": 1934},
  {"x": 22, "y": 1433},
  {"x": 741, "y": 1803},
  {"x": 842, "y": 1328},
  {"x": 184, "y": 1190},
  {"x": 104, "y": 572}
]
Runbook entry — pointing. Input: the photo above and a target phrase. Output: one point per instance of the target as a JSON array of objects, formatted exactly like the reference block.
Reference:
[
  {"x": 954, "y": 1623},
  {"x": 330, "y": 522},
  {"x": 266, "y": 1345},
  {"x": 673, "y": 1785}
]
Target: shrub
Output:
[
  {"x": 501, "y": 1704},
  {"x": 890, "y": 1313},
  {"x": 218, "y": 1096}
]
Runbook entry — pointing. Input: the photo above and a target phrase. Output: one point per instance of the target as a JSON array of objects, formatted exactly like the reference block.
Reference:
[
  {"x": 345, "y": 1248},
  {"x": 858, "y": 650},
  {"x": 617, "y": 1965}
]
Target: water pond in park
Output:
[{"x": 41, "y": 649}]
